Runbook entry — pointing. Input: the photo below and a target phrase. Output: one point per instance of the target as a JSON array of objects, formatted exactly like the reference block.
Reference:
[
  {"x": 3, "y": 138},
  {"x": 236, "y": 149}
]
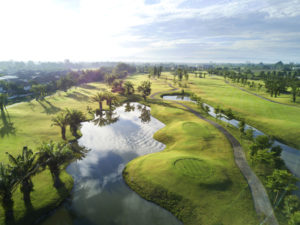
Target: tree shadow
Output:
[
  {"x": 87, "y": 86},
  {"x": 8, "y": 205},
  {"x": 59, "y": 186},
  {"x": 49, "y": 108},
  {"x": 78, "y": 96},
  {"x": 7, "y": 126}
]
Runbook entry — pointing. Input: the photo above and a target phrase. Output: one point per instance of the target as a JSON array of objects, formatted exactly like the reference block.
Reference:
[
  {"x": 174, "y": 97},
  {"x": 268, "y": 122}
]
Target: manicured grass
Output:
[
  {"x": 195, "y": 177},
  {"x": 32, "y": 123},
  {"x": 277, "y": 120},
  {"x": 282, "y": 98}
]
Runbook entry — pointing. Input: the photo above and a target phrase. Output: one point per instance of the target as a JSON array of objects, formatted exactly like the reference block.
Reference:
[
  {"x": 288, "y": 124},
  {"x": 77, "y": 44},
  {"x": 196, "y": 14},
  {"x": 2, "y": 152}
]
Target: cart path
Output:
[{"x": 260, "y": 197}]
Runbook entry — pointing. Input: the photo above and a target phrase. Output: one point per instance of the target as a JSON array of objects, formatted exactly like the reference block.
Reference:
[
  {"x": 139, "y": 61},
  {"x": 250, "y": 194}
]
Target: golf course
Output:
[{"x": 195, "y": 177}]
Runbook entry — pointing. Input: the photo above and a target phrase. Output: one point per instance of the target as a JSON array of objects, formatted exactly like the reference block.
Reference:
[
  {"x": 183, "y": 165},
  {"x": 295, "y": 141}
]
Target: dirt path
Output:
[
  {"x": 260, "y": 197},
  {"x": 257, "y": 95}
]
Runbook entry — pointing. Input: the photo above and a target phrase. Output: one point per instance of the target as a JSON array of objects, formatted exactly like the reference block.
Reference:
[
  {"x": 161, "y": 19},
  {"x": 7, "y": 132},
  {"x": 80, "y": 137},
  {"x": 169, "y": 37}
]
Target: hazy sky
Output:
[{"x": 150, "y": 30}]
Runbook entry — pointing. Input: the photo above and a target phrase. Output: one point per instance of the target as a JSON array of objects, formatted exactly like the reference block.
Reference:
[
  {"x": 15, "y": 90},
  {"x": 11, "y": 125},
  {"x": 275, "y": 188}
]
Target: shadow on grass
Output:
[
  {"x": 7, "y": 126},
  {"x": 78, "y": 96},
  {"x": 49, "y": 108},
  {"x": 87, "y": 86},
  {"x": 8, "y": 206}
]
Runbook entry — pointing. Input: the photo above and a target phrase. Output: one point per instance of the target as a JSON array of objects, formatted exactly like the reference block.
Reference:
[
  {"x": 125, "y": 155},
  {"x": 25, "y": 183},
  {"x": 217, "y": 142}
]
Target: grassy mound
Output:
[{"x": 195, "y": 177}]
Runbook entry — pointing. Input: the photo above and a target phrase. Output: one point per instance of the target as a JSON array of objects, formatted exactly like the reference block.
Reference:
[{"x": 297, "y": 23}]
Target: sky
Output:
[{"x": 150, "y": 30}]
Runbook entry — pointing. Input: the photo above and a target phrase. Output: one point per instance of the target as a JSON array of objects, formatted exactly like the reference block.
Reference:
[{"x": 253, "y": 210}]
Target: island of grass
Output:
[{"x": 195, "y": 176}]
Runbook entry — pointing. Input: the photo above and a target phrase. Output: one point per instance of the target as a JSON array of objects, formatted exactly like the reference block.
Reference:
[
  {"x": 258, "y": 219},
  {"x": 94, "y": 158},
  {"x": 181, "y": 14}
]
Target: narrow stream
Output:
[
  {"x": 100, "y": 195},
  {"x": 289, "y": 155}
]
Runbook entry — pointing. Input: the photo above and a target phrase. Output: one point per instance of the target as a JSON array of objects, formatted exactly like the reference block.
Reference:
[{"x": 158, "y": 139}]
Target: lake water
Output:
[
  {"x": 289, "y": 155},
  {"x": 100, "y": 195}
]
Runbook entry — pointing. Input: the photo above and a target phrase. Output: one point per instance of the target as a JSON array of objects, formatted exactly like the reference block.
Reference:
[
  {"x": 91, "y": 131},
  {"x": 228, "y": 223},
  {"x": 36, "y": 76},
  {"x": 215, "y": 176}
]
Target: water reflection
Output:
[{"x": 100, "y": 195}]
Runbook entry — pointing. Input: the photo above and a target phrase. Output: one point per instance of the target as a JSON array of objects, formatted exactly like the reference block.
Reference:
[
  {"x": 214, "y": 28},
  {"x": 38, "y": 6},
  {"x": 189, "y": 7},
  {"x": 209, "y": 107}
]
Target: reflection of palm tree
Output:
[
  {"x": 54, "y": 155},
  {"x": 24, "y": 166},
  {"x": 108, "y": 119},
  {"x": 145, "y": 114},
  {"x": 7, "y": 184},
  {"x": 75, "y": 117},
  {"x": 128, "y": 107},
  {"x": 99, "y": 97},
  {"x": 61, "y": 120}
]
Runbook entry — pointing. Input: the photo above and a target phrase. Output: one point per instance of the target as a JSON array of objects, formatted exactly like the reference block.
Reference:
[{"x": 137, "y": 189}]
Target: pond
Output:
[
  {"x": 289, "y": 155},
  {"x": 100, "y": 195}
]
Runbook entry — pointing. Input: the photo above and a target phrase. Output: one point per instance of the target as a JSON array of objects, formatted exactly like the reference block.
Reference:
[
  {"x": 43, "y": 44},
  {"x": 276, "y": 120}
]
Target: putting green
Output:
[{"x": 194, "y": 167}]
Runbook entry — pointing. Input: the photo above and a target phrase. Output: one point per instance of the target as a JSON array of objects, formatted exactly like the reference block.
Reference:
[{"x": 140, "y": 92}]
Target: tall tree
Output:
[
  {"x": 75, "y": 117},
  {"x": 54, "y": 155},
  {"x": 99, "y": 97},
  {"x": 111, "y": 99},
  {"x": 24, "y": 166}
]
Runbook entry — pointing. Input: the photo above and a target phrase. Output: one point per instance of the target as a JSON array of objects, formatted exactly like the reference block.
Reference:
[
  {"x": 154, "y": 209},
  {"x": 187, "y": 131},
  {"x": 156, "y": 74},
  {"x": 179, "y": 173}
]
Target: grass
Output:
[
  {"x": 273, "y": 119},
  {"x": 282, "y": 98},
  {"x": 195, "y": 177},
  {"x": 31, "y": 126}
]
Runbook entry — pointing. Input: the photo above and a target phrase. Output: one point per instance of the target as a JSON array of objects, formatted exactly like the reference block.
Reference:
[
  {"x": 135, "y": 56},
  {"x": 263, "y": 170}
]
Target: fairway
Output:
[{"x": 273, "y": 119}]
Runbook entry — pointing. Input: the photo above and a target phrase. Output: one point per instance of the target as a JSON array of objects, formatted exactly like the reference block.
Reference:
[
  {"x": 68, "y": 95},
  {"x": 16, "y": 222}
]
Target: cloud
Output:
[{"x": 85, "y": 30}]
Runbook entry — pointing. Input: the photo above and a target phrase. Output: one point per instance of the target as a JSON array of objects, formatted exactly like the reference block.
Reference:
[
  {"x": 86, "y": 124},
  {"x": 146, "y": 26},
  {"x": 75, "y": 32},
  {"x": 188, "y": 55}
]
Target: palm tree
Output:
[
  {"x": 24, "y": 167},
  {"x": 129, "y": 89},
  {"x": 7, "y": 184},
  {"x": 75, "y": 117},
  {"x": 111, "y": 99},
  {"x": 61, "y": 120},
  {"x": 99, "y": 97},
  {"x": 54, "y": 155}
]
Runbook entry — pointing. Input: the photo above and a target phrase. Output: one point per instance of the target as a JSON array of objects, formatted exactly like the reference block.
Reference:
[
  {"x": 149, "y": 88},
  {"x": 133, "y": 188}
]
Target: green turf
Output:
[
  {"x": 195, "y": 177},
  {"x": 277, "y": 120}
]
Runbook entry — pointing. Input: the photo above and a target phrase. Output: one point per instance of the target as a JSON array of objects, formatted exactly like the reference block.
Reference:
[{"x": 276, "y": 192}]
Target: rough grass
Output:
[
  {"x": 32, "y": 125},
  {"x": 207, "y": 188}
]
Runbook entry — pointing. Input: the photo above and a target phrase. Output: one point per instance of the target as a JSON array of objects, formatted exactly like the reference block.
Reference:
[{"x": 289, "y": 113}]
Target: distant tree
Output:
[
  {"x": 145, "y": 89},
  {"x": 186, "y": 74},
  {"x": 61, "y": 120},
  {"x": 129, "y": 88}
]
